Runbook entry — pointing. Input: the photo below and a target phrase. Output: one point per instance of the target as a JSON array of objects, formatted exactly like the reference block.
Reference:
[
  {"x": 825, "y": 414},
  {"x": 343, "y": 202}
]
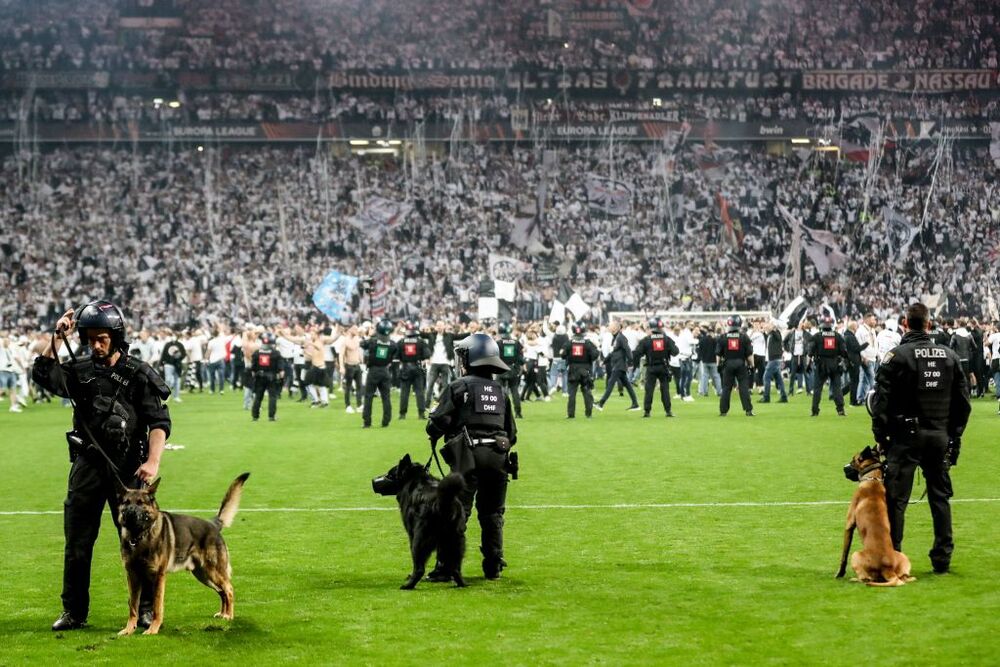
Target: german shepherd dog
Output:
[
  {"x": 433, "y": 516},
  {"x": 877, "y": 564},
  {"x": 154, "y": 543}
]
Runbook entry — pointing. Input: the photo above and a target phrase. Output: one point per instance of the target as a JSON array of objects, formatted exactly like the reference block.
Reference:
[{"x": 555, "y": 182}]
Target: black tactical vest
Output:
[
  {"x": 658, "y": 355},
  {"x": 935, "y": 372},
  {"x": 379, "y": 352},
  {"x": 484, "y": 407},
  {"x": 508, "y": 350},
  {"x": 578, "y": 352},
  {"x": 411, "y": 350},
  {"x": 826, "y": 345},
  {"x": 732, "y": 346}
]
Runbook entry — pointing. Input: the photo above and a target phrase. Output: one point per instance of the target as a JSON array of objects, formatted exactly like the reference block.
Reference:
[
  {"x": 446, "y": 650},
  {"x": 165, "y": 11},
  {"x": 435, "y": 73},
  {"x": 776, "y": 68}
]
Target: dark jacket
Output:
[
  {"x": 854, "y": 348},
  {"x": 621, "y": 356},
  {"x": 447, "y": 338}
]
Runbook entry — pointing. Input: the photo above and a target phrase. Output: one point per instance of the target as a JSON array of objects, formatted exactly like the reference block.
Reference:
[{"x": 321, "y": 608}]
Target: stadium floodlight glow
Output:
[
  {"x": 157, "y": 101},
  {"x": 201, "y": 148},
  {"x": 174, "y": 104},
  {"x": 359, "y": 142},
  {"x": 376, "y": 151},
  {"x": 657, "y": 102},
  {"x": 565, "y": 45},
  {"x": 828, "y": 149},
  {"x": 395, "y": 142},
  {"x": 800, "y": 140}
]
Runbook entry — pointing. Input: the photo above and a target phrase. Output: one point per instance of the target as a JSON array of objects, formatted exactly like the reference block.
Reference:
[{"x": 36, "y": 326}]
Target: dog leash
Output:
[{"x": 434, "y": 457}]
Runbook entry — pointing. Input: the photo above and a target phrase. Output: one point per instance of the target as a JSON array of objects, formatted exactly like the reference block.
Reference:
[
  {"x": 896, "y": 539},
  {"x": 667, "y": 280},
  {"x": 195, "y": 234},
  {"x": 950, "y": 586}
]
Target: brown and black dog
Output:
[
  {"x": 877, "y": 564},
  {"x": 154, "y": 543}
]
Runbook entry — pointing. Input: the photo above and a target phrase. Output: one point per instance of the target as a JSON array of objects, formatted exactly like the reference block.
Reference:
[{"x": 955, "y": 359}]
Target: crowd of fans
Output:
[
  {"x": 180, "y": 235},
  {"x": 317, "y": 35}
]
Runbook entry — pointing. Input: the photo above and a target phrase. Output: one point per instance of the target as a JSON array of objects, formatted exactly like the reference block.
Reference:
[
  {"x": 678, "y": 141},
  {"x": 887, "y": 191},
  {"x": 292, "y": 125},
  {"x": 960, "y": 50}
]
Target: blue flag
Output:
[{"x": 334, "y": 294}]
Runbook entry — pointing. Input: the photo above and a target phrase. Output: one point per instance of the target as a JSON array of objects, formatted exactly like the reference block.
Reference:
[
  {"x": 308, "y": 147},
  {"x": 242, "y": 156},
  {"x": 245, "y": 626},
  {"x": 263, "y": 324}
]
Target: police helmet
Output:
[
  {"x": 578, "y": 328},
  {"x": 735, "y": 322},
  {"x": 504, "y": 328},
  {"x": 267, "y": 338},
  {"x": 481, "y": 351},
  {"x": 826, "y": 323},
  {"x": 411, "y": 326},
  {"x": 384, "y": 327},
  {"x": 655, "y": 323},
  {"x": 102, "y": 315}
]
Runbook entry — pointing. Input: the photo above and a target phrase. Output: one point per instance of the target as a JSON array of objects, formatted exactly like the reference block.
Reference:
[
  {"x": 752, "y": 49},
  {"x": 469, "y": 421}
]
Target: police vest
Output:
[
  {"x": 484, "y": 408},
  {"x": 733, "y": 346},
  {"x": 578, "y": 352},
  {"x": 935, "y": 370},
  {"x": 658, "y": 355},
  {"x": 379, "y": 352},
  {"x": 266, "y": 361},
  {"x": 107, "y": 395},
  {"x": 411, "y": 350},
  {"x": 508, "y": 350},
  {"x": 826, "y": 345}
]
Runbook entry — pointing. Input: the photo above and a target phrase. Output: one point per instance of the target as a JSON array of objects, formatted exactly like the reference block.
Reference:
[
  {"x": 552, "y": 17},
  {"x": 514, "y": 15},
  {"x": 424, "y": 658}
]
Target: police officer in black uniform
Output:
[
  {"x": 267, "y": 367},
  {"x": 656, "y": 349},
  {"x": 829, "y": 352},
  {"x": 411, "y": 350},
  {"x": 379, "y": 354},
  {"x": 920, "y": 407},
  {"x": 474, "y": 416},
  {"x": 580, "y": 355},
  {"x": 512, "y": 354},
  {"x": 735, "y": 353},
  {"x": 120, "y": 425}
]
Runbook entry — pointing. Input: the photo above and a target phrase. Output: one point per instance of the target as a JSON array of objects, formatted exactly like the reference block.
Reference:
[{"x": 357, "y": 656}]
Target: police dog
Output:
[
  {"x": 877, "y": 564},
  {"x": 433, "y": 516},
  {"x": 154, "y": 543}
]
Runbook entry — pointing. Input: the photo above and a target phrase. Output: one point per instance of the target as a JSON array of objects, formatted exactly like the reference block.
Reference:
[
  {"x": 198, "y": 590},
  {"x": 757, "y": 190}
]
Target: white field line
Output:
[{"x": 616, "y": 506}]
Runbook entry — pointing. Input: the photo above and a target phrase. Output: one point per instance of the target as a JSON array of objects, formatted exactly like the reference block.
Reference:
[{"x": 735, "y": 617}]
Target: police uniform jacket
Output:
[
  {"x": 734, "y": 346},
  {"x": 380, "y": 351},
  {"x": 477, "y": 403},
  {"x": 922, "y": 381},
  {"x": 828, "y": 347},
  {"x": 656, "y": 348},
  {"x": 512, "y": 354},
  {"x": 130, "y": 392},
  {"x": 266, "y": 362}
]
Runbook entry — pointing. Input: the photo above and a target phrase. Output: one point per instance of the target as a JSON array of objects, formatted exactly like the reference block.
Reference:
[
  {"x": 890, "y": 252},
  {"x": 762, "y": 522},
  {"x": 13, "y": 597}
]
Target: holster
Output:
[{"x": 75, "y": 444}]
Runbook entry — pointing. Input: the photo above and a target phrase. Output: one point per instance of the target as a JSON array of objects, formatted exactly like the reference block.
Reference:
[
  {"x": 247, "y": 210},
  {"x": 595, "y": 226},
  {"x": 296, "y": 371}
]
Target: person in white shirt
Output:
[
  {"x": 685, "y": 345},
  {"x": 888, "y": 338},
  {"x": 194, "y": 345},
  {"x": 869, "y": 355},
  {"x": 758, "y": 343},
  {"x": 217, "y": 360},
  {"x": 993, "y": 348},
  {"x": 9, "y": 372}
]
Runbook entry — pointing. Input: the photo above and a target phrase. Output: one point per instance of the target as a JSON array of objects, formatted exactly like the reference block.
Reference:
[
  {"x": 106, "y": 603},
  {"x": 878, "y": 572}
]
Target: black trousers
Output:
[
  {"x": 378, "y": 379},
  {"x": 578, "y": 377},
  {"x": 263, "y": 384},
  {"x": 618, "y": 376},
  {"x": 486, "y": 485},
  {"x": 824, "y": 371},
  {"x": 657, "y": 375},
  {"x": 759, "y": 363},
  {"x": 352, "y": 378},
  {"x": 511, "y": 382},
  {"x": 439, "y": 373},
  {"x": 411, "y": 377},
  {"x": 854, "y": 376},
  {"x": 735, "y": 373},
  {"x": 88, "y": 490},
  {"x": 926, "y": 449}
]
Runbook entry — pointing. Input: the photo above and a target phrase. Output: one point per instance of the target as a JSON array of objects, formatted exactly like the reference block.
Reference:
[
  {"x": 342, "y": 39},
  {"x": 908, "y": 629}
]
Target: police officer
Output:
[
  {"x": 580, "y": 355},
  {"x": 920, "y": 407},
  {"x": 656, "y": 349},
  {"x": 267, "y": 368},
  {"x": 120, "y": 425},
  {"x": 411, "y": 350},
  {"x": 474, "y": 416},
  {"x": 512, "y": 354},
  {"x": 829, "y": 352},
  {"x": 379, "y": 354},
  {"x": 735, "y": 353}
]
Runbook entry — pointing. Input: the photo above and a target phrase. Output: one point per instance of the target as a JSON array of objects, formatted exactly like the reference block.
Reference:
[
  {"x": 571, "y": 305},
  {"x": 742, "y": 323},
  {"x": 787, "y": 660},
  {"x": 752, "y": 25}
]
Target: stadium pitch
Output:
[{"x": 696, "y": 540}]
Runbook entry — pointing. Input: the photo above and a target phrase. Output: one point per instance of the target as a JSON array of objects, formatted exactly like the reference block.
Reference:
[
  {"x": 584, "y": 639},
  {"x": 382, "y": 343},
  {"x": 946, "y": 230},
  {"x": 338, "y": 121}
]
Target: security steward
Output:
[
  {"x": 474, "y": 416},
  {"x": 580, "y": 355},
  {"x": 656, "y": 349},
  {"x": 379, "y": 354},
  {"x": 920, "y": 407},
  {"x": 412, "y": 351},
  {"x": 735, "y": 353},
  {"x": 120, "y": 425},
  {"x": 829, "y": 352},
  {"x": 512, "y": 354},
  {"x": 267, "y": 367}
]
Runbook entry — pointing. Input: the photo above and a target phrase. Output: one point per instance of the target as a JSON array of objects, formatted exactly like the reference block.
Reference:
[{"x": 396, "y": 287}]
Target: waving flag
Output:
[
  {"x": 608, "y": 196},
  {"x": 333, "y": 295}
]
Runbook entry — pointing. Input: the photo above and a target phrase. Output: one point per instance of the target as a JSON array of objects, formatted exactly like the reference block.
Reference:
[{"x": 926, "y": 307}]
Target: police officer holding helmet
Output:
[
  {"x": 267, "y": 367},
  {"x": 474, "y": 416},
  {"x": 656, "y": 349},
  {"x": 580, "y": 355},
  {"x": 379, "y": 354},
  {"x": 512, "y": 354},
  {"x": 735, "y": 353},
  {"x": 411, "y": 350},
  {"x": 829, "y": 351},
  {"x": 120, "y": 426},
  {"x": 920, "y": 407}
]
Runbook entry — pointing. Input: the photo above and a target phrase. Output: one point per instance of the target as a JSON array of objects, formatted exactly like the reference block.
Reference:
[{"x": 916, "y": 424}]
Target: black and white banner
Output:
[{"x": 609, "y": 196}]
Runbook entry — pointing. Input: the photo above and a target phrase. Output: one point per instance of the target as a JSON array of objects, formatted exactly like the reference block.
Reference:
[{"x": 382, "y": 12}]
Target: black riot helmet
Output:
[
  {"x": 384, "y": 327},
  {"x": 102, "y": 315},
  {"x": 267, "y": 339},
  {"x": 655, "y": 323},
  {"x": 504, "y": 328},
  {"x": 411, "y": 327},
  {"x": 480, "y": 351},
  {"x": 826, "y": 323},
  {"x": 578, "y": 328},
  {"x": 735, "y": 322}
]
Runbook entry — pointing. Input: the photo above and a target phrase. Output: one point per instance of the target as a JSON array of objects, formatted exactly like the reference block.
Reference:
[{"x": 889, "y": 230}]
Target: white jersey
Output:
[
  {"x": 887, "y": 340},
  {"x": 217, "y": 349},
  {"x": 195, "y": 348},
  {"x": 758, "y": 343}
]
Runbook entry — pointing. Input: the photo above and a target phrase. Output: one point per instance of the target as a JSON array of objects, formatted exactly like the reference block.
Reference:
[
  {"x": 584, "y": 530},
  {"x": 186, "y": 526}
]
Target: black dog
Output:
[{"x": 433, "y": 516}]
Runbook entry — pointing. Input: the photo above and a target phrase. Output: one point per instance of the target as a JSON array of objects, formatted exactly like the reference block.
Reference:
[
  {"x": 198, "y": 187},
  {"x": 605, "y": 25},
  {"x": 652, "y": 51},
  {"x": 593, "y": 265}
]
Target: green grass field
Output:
[{"x": 696, "y": 540}]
